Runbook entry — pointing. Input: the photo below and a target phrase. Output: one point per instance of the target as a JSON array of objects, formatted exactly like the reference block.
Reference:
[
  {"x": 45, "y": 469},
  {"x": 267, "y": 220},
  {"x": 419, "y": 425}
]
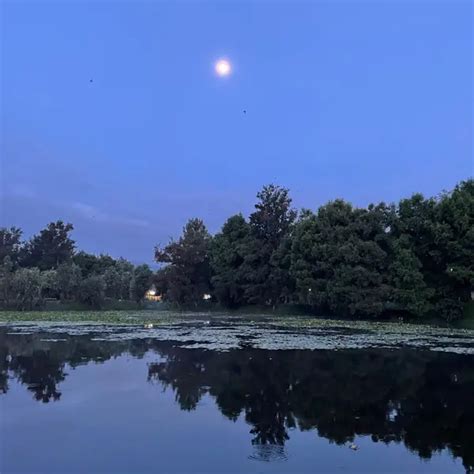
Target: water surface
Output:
[{"x": 92, "y": 401}]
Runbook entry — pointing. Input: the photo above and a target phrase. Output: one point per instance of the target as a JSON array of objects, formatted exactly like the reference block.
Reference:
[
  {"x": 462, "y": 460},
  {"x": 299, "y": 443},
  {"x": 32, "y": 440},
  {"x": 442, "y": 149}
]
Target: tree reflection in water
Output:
[{"x": 423, "y": 399}]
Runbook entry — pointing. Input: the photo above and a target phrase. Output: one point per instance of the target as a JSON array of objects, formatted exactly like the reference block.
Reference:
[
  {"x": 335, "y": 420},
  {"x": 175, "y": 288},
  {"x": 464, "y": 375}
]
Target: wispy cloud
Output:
[{"x": 94, "y": 213}]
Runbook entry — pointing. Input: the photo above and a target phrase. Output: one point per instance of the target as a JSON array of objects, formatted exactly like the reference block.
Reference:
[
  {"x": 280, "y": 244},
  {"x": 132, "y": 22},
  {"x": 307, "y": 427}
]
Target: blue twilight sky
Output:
[{"x": 365, "y": 100}]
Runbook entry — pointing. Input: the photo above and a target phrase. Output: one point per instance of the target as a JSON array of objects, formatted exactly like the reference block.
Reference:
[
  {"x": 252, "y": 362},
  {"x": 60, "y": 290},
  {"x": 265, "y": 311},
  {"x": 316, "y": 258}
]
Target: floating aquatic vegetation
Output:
[{"x": 226, "y": 332}]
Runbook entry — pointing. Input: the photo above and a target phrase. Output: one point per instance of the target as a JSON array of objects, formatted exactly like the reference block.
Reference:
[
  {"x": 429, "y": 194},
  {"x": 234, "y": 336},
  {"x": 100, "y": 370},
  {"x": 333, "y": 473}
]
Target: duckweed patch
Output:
[{"x": 224, "y": 332}]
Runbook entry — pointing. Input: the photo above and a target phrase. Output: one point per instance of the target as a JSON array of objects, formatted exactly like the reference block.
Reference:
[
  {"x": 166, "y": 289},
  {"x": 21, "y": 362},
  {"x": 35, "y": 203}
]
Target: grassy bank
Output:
[
  {"x": 166, "y": 317},
  {"x": 74, "y": 316}
]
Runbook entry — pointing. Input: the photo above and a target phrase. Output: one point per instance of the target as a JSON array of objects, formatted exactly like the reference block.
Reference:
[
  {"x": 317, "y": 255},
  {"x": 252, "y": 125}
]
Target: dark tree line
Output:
[
  {"x": 48, "y": 266},
  {"x": 413, "y": 259}
]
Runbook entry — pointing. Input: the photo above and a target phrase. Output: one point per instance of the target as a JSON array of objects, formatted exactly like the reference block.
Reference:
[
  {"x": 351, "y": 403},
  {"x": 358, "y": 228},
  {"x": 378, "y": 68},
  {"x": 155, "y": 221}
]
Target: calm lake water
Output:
[{"x": 73, "y": 402}]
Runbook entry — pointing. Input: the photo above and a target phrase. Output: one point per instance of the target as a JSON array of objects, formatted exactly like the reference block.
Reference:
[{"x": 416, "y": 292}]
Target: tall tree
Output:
[
  {"x": 270, "y": 225},
  {"x": 188, "y": 271},
  {"x": 227, "y": 257},
  {"x": 51, "y": 247}
]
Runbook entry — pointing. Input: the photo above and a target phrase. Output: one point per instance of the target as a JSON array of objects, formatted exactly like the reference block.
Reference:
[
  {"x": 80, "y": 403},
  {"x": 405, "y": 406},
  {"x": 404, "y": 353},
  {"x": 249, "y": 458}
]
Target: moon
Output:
[{"x": 223, "y": 67}]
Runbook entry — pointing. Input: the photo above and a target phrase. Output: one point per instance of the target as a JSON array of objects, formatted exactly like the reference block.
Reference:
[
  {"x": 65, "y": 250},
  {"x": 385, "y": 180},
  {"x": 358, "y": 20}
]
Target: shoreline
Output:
[{"x": 143, "y": 316}]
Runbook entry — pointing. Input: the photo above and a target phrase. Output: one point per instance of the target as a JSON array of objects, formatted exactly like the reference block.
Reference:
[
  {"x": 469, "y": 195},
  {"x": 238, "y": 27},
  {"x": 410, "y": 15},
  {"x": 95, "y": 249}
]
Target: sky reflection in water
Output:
[{"x": 77, "y": 405}]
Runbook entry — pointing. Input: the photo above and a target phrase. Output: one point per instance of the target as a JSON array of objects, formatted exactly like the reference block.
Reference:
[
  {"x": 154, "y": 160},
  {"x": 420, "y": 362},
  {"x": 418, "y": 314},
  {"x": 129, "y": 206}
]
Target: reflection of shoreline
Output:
[{"x": 421, "y": 398}]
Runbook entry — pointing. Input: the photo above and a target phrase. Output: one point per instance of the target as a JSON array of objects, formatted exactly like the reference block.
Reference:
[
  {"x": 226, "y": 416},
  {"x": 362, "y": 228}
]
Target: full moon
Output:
[{"x": 223, "y": 67}]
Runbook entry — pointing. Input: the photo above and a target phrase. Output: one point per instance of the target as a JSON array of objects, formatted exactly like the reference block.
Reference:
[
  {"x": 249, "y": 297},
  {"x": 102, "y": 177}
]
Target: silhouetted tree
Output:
[
  {"x": 228, "y": 252},
  {"x": 270, "y": 225},
  {"x": 188, "y": 271},
  {"x": 51, "y": 247}
]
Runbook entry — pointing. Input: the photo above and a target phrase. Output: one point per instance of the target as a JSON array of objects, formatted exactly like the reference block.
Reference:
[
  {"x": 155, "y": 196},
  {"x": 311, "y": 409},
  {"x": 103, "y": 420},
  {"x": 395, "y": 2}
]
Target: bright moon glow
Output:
[{"x": 223, "y": 67}]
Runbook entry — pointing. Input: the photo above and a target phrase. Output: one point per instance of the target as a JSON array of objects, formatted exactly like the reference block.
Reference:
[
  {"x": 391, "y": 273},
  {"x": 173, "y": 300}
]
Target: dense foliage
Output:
[
  {"x": 186, "y": 278},
  {"x": 48, "y": 267},
  {"x": 414, "y": 259}
]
